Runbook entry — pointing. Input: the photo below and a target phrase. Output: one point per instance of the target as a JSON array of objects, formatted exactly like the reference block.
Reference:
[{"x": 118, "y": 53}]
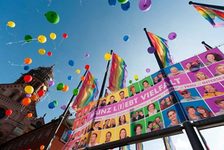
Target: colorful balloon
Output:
[
  {"x": 28, "y": 61},
  {"x": 52, "y": 17},
  {"x": 53, "y": 36},
  {"x": 8, "y": 112},
  {"x": 130, "y": 81},
  {"x": 65, "y": 35},
  {"x": 122, "y": 1},
  {"x": 78, "y": 71},
  {"x": 55, "y": 103},
  {"x": 26, "y": 101},
  {"x": 51, "y": 105},
  {"x": 41, "y": 51},
  {"x": 87, "y": 67},
  {"x": 66, "y": 88},
  {"x": 27, "y": 78},
  {"x": 34, "y": 97},
  {"x": 60, "y": 86},
  {"x": 147, "y": 70},
  {"x": 29, "y": 89},
  {"x": 82, "y": 78},
  {"x": 28, "y": 38},
  {"x": 50, "y": 83},
  {"x": 112, "y": 2},
  {"x": 28, "y": 95},
  {"x": 87, "y": 55},
  {"x": 42, "y": 147},
  {"x": 42, "y": 39},
  {"x": 75, "y": 91},
  {"x": 145, "y": 5},
  {"x": 40, "y": 93},
  {"x": 63, "y": 107},
  {"x": 107, "y": 56},
  {"x": 71, "y": 63},
  {"x": 69, "y": 77},
  {"x": 49, "y": 53},
  {"x": 29, "y": 115},
  {"x": 125, "y": 6},
  {"x": 126, "y": 38},
  {"x": 136, "y": 77},
  {"x": 151, "y": 50},
  {"x": 11, "y": 24},
  {"x": 172, "y": 35},
  {"x": 26, "y": 67}
]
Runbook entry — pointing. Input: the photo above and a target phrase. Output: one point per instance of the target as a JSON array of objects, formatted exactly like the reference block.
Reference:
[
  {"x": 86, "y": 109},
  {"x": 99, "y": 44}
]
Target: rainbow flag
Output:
[
  {"x": 169, "y": 143},
  {"x": 215, "y": 17},
  {"x": 139, "y": 146},
  {"x": 87, "y": 93},
  {"x": 162, "y": 50},
  {"x": 118, "y": 74}
]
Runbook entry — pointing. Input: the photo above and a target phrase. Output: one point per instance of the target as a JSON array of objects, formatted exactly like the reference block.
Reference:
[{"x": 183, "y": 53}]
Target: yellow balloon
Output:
[
  {"x": 11, "y": 24},
  {"x": 29, "y": 89},
  {"x": 41, "y": 51},
  {"x": 78, "y": 71},
  {"x": 53, "y": 36},
  {"x": 136, "y": 77},
  {"x": 42, "y": 39},
  {"x": 107, "y": 56}
]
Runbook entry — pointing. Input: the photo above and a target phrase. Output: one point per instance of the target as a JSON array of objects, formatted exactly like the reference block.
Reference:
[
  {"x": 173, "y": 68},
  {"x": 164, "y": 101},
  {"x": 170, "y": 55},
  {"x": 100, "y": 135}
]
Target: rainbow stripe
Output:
[
  {"x": 215, "y": 17},
  {"x": 118, "y": 74},
  {"x": 139, "y": 146},
  {"x": 162, "y": 50},
  {"x": 87, "y": 93}
]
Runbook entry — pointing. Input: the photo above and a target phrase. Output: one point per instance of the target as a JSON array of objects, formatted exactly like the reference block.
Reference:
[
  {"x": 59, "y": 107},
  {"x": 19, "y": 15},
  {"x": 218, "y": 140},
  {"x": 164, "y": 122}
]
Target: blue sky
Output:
[{"x": 94, "y": 27}]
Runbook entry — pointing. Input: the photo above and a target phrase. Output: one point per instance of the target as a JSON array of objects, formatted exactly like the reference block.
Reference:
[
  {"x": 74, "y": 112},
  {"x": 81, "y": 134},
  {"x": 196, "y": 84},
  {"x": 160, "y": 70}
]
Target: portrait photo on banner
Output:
[
  {"x": 217, "y": 69},
  {"x": 154, "y": 123},
  {"x": 134, "y": 89},
  {"x": 171, "y": 116},
  {"x": 108, "y": 135},
  {"x": 112, "y": 99},
  {"x": 188, "y": 95},
  {"x": 138, "y": 127},
  {"x": 94, "y": 138},
  {"x": 157, "y": 77},
  {"x": 152, "y": 109},
  {"x": 201, "y": 74},
  {"x": 174, "y": 70},
  {"x": 167, "y": 101},
  {"x": 211, "y": 56},
  {"x": 197, "y": 110},
  {"x": 192, "y": 64},
  {"x": 122, "y": 94},
  {"x": 216, "y": 104},
  {"x": 211, "y": 90},
  {"x": 123, "y": 119},
  {"x": 109, "y": 123},
  {"x": 123, "y": 132},
  {"x": 137, "y": 114},
  {"x": 146, "y": 83}
]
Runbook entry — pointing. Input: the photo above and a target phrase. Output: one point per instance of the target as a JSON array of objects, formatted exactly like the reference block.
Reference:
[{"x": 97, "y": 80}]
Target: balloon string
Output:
[
  {"x": 13, "y": 64},
  {"x": 22, "y": 41},
  {"x": 220, "y": 45},
  {"x": 49, "y": 3},
  {"x": 60, "y": 42}
]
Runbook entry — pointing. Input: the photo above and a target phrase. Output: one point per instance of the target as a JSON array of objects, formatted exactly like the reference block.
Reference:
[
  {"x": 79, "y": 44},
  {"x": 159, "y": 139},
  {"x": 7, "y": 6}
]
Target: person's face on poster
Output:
[
  {"x": 158, "y": 120},
  {"x": 209, "y": 89},
  {"x": 150, "y": 125},
  {"x": 174, "y": 71},
  {"x": 186, "y": 94},
  {"x": 107, "y": 122},
  {"x": 138, "y": 130},
  {"x": 136, "y": 113},
  {"x": 97, "y": 124},
  {"x": 121, "y": 94},
  {"x": 93, "y": 138},
  {"x": 220, "y": 69},
  {"x": 191, "y": 111},
  {"x": 112, "y": 98},
  {"x": 221, "y": 104},
  {"x": 188, "y": 66},
  {"x": 104, "y": 102},
  {"x": 172, "y": 116},
  {"x": 141, "y": 113},
  {"x": 108, "y": 136},
  {"x": 163, "y": 102},
  {"x": 160, "y": 75},
  {"x": 151, "y": 108},
  {"x": 122, "y": 119},
  {"x": 132, "y": 89},
  {"x": 156, "y": 79},
  {"x": 112, "y": 121},
  {"x": 145, "y": 84},
  {"x": 133, "y": 115},
  {"x": 168, "y": 101},
  {"x": 201, "y": 110},
  {"x": 211, "y": 58},
  {"x": 123, "y": 134}
]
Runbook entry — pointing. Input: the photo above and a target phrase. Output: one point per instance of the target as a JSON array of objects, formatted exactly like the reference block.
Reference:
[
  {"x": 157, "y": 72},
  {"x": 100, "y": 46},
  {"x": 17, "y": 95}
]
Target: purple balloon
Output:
[
  {"x": 63, "y": 107},
  {"x": 151, "y": 50},
  {"x": 147, "y": 70},
  {"x": 86, "y": 55},
  {"x": 172, "y": 35},
  {"x": 145, "y": 5},
  {"x": 28, "y": 95},
  {"x": 51, "y": 83}
]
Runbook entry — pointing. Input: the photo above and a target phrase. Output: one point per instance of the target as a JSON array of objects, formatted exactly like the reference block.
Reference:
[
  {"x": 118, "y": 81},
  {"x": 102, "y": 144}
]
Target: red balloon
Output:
[
  {"x": 93, "y": 86},
  {"x": 87, "y": 67},
  {"x": 40, "y": 93},
  {"x": 49, "y": 53},
  {"x": 27, "y": 78},
  {"x": 65, "y": 35},
  {"x": 8, "y": 112}
]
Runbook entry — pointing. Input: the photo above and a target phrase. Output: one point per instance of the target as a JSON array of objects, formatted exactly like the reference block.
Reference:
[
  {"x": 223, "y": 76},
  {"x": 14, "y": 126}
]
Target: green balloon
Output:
[
  {"x": 55, "y": 103},
  {"x": 60, "y": 86},
  {"x": 28, "y": 38},
  {"x": 75, "y": 91},
  {"x": 130, "y": 81},
  {"x": 52, "y": 17},
  {"x": 122, "y": 1}
]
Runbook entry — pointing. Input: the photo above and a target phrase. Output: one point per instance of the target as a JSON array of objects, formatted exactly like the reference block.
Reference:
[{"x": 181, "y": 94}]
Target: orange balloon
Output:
[
  {"x": 27, "y": 61},
  {"x": 66, "y": 88},
  {"x": 26, "y": 101},
  {"x": 34, "y": 97},
  {"x": 29, "y": 115},
  {"x": 82, "y": 78},
  {"x": 42, "y": 147}
]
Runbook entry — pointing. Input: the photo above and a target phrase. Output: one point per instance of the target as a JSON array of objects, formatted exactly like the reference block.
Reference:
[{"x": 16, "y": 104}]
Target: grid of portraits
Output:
[{"x": 198, "y": 102}]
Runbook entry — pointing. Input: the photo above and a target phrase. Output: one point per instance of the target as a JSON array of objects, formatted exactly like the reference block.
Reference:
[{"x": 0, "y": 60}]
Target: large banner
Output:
[{"x": 190, "y": 90}]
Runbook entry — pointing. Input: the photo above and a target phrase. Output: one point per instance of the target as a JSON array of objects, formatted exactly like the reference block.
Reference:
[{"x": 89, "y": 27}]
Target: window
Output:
[{"x": 65, "y": 135}]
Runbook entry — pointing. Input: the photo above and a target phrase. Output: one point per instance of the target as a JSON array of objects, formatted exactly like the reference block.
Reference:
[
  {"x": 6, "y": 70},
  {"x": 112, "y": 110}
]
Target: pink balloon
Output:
[
  {"x": 145, "y": 5},
  {"x": 172, "y": 35}
]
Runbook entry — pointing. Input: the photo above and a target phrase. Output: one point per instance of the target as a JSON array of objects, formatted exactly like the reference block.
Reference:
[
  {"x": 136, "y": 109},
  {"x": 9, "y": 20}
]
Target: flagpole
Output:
[
  {"x": 100, "y": 95},
  {"x": 207, "y": 5},
  {"x": 192, "y": 136},
  {"x": 63, "y": 116},
  {"x": 208, "y": 47}
]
